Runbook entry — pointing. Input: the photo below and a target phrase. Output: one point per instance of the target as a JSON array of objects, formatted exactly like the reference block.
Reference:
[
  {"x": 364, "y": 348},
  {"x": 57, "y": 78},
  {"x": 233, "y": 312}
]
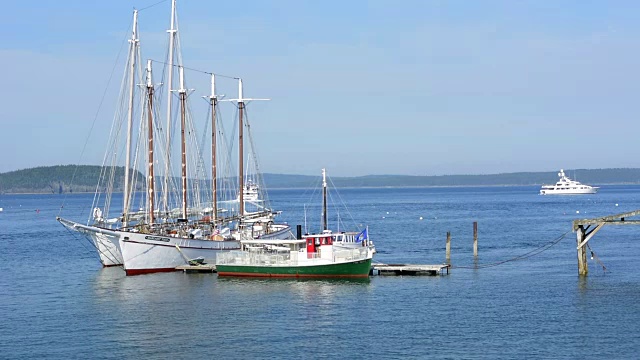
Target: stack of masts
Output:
[{"x": 150, "y": 211}]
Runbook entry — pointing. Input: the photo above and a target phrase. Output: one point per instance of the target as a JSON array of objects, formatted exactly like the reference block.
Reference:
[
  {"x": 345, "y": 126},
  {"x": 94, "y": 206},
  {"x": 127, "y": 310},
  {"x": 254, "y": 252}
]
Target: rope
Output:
[
  {"x": 594, "y": 256},
  {"x": 152, "y": 5},
  {"x": 75, "y": 235},
  {"x": 95, "y": 118},
  {"x": 526, "y": 255},
  {"x": 197, "y": 70}
]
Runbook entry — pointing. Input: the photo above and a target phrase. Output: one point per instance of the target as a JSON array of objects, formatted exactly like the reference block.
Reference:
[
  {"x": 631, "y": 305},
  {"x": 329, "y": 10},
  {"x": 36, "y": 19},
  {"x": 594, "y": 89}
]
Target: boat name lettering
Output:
[{"x": 157, "y": 238}]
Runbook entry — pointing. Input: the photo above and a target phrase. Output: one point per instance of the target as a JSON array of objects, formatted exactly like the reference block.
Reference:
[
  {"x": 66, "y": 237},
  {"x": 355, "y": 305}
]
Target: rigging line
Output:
[
  {"x": 76, "y": 236},
  {"x": 152, "y": 5},
  {"x": 594, "y": 256},
  {"x": 526, "y": 255},
  {"x": 197, "y": 70},
  {"x": 95, "y": 118}
]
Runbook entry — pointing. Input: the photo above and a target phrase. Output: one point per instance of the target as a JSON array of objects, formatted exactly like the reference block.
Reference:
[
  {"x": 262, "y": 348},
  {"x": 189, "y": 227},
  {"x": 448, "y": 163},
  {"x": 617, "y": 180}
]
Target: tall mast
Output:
[
  {"x": 240, "y": 149},
  {"x": 133, "y": 44},
  {"x": 150, "y": 174},
  {"x": 183, "y": 125},
  {"x": 324, "y": 200},
  {"x": 172, "y": 36},
  {"x": 241, "y": 100},
  {"x": 214, "y": 177}
]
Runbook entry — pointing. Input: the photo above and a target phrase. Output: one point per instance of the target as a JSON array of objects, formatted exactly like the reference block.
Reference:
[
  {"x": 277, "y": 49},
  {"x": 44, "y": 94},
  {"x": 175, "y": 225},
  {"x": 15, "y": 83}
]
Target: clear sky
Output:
[{"x": 360, "y": 87}]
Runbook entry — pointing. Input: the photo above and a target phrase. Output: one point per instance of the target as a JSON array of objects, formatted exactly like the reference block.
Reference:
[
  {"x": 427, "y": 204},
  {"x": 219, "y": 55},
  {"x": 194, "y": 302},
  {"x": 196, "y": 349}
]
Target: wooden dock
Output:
[
  {"x": 201, "y": 268},
  {"x": 376, "y": 269},
  {"x": 409, "y": 269}
]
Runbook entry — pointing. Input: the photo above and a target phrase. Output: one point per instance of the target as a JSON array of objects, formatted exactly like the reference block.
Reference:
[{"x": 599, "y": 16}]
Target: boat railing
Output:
[
  {"x": 350, "y": 254},
  {"x": 293, "y": 258}
]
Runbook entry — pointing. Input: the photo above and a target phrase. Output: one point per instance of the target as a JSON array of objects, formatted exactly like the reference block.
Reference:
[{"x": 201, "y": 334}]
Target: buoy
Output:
[
  {"x": 577, "y": 211},
  {"x": 387, "y": 213},
  {"x": 383, "y": 217},
  {"x": 420, "y": 217},
  {"x": 616, "y": 205}
]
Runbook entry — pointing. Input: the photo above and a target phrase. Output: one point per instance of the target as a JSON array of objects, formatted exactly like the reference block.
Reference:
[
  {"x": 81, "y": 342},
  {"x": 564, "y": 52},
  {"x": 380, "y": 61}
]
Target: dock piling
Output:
[
  {"x": 475, "y": 239},
  {"x": 448, "y": 251}
]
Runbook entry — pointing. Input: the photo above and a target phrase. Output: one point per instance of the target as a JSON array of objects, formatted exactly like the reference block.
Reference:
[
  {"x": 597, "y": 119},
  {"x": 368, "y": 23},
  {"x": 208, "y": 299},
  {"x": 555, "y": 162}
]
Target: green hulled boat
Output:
[
  {"x": 291, "y": 258},
  {"x": 324, "y": 255}
]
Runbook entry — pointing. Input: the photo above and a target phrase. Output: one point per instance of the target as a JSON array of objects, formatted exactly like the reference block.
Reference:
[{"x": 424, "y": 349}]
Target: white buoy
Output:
[
  {"x": 387, "y": 213},
  {"x": 577, "y": 211},
  {"x": 420, "y": 217},
  {"x": 616, "y": 204},
  {"x": 1, "y": 209},
  {"x": 383, "y": 217}
]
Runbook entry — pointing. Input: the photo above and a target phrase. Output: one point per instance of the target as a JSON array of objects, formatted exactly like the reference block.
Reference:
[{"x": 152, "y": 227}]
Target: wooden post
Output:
[
  {"x": 475, "y": 239},
  {"x": 448, "y": 251},
  {"x": 583, "y": 268}
]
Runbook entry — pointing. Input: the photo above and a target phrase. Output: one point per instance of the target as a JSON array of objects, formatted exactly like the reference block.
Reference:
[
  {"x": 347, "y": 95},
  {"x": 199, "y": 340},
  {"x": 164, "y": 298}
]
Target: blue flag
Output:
[{"x": 362, "y": 235}]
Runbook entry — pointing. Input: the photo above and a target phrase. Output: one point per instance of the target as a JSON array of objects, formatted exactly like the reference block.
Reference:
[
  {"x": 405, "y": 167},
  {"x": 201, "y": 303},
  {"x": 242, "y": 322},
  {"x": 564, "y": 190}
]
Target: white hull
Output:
[
  {"x": 105, "y": 241},
  {"x": 106, "y": 245},
  {"x": 147, "y": 253},
  {"x": 592, "y": 190}
]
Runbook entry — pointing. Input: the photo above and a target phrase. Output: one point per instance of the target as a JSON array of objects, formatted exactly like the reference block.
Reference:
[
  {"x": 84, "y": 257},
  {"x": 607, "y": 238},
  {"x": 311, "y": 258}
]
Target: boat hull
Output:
[
  {"x": 592, "y": 190},
  {"x": 355, "y": 269},
  {"x": 107, "y": 248},
  {"x": 105, "y": 241},
  {"x": 147, "y": 253}
]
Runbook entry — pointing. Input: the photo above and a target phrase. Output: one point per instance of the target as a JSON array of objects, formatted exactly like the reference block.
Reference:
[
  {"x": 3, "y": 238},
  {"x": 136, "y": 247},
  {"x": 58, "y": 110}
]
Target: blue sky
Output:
[{"x": 358, "y": 87}]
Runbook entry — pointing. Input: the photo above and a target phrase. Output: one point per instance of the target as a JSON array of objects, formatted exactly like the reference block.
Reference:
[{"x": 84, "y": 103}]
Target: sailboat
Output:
[{"x": 158, "y": 237}]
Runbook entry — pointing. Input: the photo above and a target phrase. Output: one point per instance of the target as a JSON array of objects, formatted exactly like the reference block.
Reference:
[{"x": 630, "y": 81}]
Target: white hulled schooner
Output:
[{"x": 182, "y": 222}]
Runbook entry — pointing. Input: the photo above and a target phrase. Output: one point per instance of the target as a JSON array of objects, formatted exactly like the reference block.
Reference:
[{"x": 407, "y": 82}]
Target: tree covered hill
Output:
[{"x": 58, "y": 179}]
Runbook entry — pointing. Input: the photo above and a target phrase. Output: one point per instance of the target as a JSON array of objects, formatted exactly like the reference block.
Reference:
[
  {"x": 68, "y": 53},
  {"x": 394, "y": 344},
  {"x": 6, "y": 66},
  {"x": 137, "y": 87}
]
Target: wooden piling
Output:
[
  {"x": 583, "y": 268},
  {"x": 475, "y": 239},
  {"x": 448, "y": 251}
]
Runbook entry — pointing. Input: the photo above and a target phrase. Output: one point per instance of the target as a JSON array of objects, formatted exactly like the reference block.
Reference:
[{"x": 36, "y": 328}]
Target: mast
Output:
[
  {"x": 240, "y": 149},
  {"x": 241, "y": 101},
  {"x": 183, "y": 121},
  {"x": 214, "y": 177},
  {"x": 150, "y": 174},
  {"x": 172, "y": 36},
  {"x": 132, "y": 62},
  {"x": 324, "y": 200}
]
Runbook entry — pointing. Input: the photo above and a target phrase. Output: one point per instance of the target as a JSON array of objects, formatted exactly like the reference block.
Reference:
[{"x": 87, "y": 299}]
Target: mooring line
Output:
[{"x": 526, "y": 255}]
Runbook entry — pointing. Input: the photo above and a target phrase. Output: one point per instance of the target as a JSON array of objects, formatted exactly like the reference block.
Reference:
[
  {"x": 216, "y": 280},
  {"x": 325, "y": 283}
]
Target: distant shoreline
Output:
[
  {"x": 344, "y": 187},
  {"x": 67, "y": 179}
]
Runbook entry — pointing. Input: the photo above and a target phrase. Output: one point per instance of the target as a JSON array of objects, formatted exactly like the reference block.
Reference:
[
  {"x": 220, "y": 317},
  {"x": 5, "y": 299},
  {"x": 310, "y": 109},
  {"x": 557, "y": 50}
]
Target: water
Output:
[{"x": 57, "y": 302}]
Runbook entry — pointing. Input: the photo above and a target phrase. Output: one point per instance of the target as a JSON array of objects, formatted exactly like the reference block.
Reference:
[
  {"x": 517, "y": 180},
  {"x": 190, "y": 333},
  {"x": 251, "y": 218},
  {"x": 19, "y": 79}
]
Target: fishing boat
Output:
[
  {"x": 566, "y": 186},
  {"x": 314, "y": 256},
  {"x": 176, "y": 222},
  {"x": 325, "y": 254}
]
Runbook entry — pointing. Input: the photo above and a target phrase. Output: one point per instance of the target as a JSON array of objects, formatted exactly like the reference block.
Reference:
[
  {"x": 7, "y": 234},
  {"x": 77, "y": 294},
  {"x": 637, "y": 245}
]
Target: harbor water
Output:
[{"x": 56, "y": 301}]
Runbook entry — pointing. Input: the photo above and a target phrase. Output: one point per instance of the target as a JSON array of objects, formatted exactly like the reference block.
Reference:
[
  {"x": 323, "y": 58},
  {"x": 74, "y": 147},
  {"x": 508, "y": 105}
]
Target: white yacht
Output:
[{"x": 566, "y": 186}]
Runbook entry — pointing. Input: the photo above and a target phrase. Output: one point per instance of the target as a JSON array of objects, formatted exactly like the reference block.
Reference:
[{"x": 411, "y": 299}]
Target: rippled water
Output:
[{"x": 57, "y": 302}]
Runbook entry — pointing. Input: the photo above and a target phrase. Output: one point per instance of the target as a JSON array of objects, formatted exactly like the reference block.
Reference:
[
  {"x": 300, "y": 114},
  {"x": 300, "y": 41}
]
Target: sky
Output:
[{"x": 359, "y": 87}]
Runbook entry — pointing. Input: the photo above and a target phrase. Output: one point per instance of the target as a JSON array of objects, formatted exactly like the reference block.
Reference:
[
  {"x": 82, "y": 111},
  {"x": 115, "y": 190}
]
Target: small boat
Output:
[
  {"x": 566, "y": 186},
  {"x": 315, "y": 256},
  {"x": 326, "y": 254}
]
